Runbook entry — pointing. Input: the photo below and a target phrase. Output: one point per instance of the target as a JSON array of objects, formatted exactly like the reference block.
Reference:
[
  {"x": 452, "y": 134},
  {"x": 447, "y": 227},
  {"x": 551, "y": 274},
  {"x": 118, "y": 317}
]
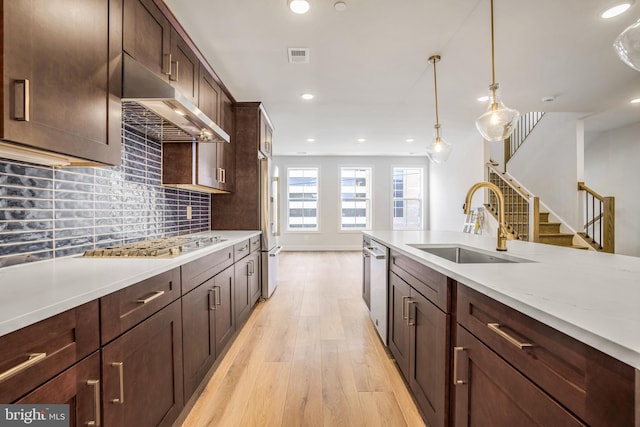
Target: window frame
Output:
[
  {"x": 369, "y": 198},
  {"x": 289, "y": 229},
  {"x": 421, "y": 198}
]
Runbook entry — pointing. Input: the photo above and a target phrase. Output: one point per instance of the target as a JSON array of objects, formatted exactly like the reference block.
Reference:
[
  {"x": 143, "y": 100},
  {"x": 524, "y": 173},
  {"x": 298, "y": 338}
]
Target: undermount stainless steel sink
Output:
[{"x": 463, "y": 255}]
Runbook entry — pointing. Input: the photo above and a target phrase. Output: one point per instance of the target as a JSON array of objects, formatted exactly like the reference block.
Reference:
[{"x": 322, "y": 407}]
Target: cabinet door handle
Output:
[
  {"x": 219, "y": 174},
  {"x": 156, "y": 294},
  {"x": 211, "y": 299},
  {"x": 120, "y": 366},
  {"x": 495, "y": 327},
  {"x": 224, "y": 175},
  {"x": 21, "y": 100},
  {"x": 174, "y": 77},
  {"x": 404, "y": 308},
  {"x": 32, "y": 360},
  {"x": 216, "y": 295},
  {"x": 410, "y": 321},
  {"x": 96, "y": 401},
  {"x": 166, "y": 64},
  {"x": 456, "y": 351},
  {"x": 252, "y": 268}
]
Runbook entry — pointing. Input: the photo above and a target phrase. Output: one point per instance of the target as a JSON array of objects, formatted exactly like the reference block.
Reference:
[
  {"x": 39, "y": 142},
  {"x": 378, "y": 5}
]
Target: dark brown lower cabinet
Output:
[
  {"x": 490, "y": 392},
  {"x": 399, "y": 333},
  {"x": 142, "y": 372},
  {"x": 247, "y": 286},
  {"x": 208, "y": 324},
  {"x": 419, "y": 340},
  {"x": 78, "y": 387}
]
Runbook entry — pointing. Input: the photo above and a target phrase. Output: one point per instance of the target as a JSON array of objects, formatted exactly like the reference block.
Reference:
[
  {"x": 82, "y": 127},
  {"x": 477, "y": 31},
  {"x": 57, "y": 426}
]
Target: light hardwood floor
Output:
[{"x": 309, "y": 356}]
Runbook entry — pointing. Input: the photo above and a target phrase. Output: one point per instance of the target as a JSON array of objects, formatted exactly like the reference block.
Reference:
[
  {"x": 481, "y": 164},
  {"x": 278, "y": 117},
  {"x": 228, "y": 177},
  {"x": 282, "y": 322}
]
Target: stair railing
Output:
[
  {"x": 521, "y": 209},
  {"x": 524, "y": 127},
  {"x": 599, "y": 217}
]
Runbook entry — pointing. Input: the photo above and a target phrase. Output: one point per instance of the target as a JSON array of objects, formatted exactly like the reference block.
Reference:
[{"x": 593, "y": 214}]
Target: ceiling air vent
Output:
[{"x": 298, "y": 55}]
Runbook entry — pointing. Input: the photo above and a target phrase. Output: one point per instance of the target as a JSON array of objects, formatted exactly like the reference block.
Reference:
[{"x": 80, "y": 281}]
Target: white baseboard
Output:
[{"x": 320, "y": 248}]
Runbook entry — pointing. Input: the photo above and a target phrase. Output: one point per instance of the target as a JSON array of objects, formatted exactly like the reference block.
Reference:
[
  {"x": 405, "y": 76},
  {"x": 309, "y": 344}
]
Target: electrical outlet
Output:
[{"x": 189, "y": 212}]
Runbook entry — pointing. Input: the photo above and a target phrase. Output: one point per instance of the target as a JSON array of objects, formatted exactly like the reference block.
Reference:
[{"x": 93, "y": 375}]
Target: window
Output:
[
  {"x": 302, "y": 199},
  {"x": 407, "y": 198},
  {"x": 355, "y": 198}
]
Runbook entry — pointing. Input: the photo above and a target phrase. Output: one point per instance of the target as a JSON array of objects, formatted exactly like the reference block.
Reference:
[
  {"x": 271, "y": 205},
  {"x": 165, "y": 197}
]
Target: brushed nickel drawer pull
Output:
[
  {"x": 410, "y": 321},
  {"x": 21, "y": 100},
  {"x": 120, "y": 366},
  {"x": 211, "y": 298},
  {"x": 166, "y": 65},
  {"x": 456, "y": 351},
  {"x": 32, "y": 360},
  {"x": 156, "y": 294},
  {"x": 174, "y": 77},
  {"x": 495, "y": 327},
  {"x": 404, "y": 308},
  {"x": 96, "y": 400}
]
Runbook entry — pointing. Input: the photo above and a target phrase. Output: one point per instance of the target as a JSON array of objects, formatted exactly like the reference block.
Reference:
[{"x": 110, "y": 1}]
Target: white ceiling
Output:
[{"x": 371, "y": 77}]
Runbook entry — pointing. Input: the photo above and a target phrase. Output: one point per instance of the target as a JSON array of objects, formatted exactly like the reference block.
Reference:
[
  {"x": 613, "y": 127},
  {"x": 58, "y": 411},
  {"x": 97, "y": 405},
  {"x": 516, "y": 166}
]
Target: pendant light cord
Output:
[
  {"x": 493, "y": 65},
  {"x": 435, "y": 87}
]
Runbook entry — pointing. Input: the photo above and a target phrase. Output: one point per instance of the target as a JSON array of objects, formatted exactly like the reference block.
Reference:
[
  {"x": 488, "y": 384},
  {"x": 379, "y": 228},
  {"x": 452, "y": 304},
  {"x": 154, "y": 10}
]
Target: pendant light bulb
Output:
[
  {"x": 499, "y": 121},
  {"x": 627, "y": 46},
  {"x": 299, "y": 6},
  {"x": 438, "y": 151}
]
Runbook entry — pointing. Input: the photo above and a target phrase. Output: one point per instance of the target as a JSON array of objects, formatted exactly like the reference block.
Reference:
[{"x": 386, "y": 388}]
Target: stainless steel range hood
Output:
[{"x": 180, "y": 120}]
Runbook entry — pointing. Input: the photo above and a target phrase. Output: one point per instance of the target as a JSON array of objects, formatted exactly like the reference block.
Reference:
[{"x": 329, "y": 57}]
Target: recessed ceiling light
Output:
[
  {"x": 616, "y": 10},
  {"x": 483, "y": 98},
  {"x": 410, "y": 140},
  {"x": 361, "y": 140},
  {"x": 311, "y": 140},
  {"x": 340, "y": 6},
  {"x": 635, "y": 101},
  {"x": 299, "y": 6},
  {"x": 307, "y": 96}
]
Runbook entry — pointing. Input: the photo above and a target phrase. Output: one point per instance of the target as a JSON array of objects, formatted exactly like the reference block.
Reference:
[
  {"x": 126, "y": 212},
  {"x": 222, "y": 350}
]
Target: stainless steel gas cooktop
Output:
[{"x": 162, "y": 247}]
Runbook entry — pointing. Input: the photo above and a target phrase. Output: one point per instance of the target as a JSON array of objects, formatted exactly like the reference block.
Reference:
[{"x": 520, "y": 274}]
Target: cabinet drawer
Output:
[
  {"x": 203, "y": 269},
  {"x": 78, "y": 387},
  {"x": 34, "y": 354},
  {"x": 254, "y": 243},
  {"x": 241, "y": 250},
  {"x": 122, "y": 310},
  {"x": 433, "y": 285},
  {"x": 594, "y": 386}
]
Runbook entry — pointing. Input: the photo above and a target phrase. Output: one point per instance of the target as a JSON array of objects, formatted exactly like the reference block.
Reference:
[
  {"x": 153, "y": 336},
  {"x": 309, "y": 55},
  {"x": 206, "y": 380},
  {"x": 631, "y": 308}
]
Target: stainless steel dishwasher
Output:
[{"x": 379, "y": 256}]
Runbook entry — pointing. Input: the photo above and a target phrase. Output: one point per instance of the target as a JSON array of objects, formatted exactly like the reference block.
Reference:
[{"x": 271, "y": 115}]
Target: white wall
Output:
[
  {"x": 449, "y": 182},
  {"x": 329, "y": 236},
  {"x": 547, "y": 165},
  {"x": 611, "y": 169}
]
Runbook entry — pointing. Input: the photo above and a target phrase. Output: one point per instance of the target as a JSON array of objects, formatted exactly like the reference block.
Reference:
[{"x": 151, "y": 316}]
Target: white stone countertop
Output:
[
  {"x": 35, "y": 291},
  {"x": 593, "y": 297}
]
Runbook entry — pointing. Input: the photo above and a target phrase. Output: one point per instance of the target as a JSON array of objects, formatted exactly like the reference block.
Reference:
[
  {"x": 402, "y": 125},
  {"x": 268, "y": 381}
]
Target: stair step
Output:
[
  {"x": 544, "y": 216},
  {"x": 550, "y": 228},
  {"x": 559, "y": 239}
]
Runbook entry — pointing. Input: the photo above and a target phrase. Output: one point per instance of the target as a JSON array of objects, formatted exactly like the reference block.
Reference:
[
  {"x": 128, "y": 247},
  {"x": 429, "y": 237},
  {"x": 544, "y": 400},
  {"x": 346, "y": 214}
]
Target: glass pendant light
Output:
[
  {"x": 497, "y": 123},
  {"x": 627, "y": 46},
  {"x": 438, "y": 151}
]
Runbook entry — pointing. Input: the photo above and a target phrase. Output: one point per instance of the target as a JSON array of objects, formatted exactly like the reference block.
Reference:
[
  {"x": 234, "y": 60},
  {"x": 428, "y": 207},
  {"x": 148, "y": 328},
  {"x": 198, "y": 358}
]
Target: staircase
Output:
[{"x": 523, "y": 216}]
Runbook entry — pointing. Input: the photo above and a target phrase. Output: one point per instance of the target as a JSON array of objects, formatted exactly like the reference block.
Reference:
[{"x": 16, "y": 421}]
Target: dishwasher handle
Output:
[{"x": 369, "y": 250}]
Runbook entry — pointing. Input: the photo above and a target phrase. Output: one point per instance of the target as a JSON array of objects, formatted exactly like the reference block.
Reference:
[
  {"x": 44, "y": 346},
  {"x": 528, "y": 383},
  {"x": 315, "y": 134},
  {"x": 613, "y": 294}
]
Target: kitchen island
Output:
[{"x": 523, "y": 312}]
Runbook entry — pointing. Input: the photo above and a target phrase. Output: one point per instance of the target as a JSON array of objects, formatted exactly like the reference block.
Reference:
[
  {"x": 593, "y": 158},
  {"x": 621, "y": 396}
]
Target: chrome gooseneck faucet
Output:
[{"x": 503, "y": 234}]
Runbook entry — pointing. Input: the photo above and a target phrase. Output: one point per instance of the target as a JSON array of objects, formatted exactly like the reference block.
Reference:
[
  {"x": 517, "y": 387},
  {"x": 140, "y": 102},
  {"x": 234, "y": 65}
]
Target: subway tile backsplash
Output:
[{"x": 50, "y": 212}]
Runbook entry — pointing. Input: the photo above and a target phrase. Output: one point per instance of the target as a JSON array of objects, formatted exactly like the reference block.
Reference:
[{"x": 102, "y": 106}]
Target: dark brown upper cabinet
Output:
[
  {"x": 150, "y": 39},
  {"x": 62, "y": 78}
]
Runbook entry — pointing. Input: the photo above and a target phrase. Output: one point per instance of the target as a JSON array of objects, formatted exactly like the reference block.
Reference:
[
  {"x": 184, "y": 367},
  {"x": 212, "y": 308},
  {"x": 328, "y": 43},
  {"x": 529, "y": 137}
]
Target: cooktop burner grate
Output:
[{"x": 164, "y": 246}]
